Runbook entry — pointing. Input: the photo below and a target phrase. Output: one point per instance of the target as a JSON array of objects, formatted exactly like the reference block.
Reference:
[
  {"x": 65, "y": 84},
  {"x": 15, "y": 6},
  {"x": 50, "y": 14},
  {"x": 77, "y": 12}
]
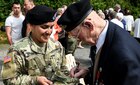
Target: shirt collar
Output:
[{"x": 101, "y": 38}]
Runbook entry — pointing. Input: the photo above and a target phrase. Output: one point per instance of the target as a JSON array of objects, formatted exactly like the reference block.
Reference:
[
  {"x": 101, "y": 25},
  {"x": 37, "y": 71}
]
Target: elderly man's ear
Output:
[{"x": 87, "y": 24}]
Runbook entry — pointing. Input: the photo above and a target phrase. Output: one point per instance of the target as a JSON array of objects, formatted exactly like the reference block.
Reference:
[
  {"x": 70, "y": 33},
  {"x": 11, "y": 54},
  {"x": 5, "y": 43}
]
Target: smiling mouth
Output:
[{"x": 46, "y": 35}]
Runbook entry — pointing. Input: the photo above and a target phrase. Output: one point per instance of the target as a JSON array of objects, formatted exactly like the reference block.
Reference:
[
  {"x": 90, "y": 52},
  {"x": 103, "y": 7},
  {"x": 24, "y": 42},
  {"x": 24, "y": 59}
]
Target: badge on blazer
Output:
[{"x": 99, "y": 80}]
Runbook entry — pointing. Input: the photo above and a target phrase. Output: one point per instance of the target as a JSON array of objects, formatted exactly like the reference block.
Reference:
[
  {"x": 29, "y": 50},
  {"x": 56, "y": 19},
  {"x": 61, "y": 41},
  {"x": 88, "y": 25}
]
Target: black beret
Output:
[
  {"x": 40, "y": 14},
  {"x": 75, "y": 14}
]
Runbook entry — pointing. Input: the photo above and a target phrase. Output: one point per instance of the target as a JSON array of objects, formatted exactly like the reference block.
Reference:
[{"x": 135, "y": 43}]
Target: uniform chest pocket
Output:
[
  {"x": 55, "y": 59},
  {"x": 35, "y": 65}
]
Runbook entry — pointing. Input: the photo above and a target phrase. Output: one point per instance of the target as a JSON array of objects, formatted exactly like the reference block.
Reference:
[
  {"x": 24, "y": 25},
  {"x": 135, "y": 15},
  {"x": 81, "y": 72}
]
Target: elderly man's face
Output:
[
  {"x": 79, "y": 33},
  {"x": 28, "y": 5},
  {"x": 84, "y": 33},
  {"x": 41, "y": 33}
]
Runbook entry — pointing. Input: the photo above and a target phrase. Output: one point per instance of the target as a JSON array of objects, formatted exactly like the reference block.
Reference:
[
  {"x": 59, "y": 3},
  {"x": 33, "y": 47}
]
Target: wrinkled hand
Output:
[
  {"x": 79, "y": 72},
  {"x": 44, "y": 81}
]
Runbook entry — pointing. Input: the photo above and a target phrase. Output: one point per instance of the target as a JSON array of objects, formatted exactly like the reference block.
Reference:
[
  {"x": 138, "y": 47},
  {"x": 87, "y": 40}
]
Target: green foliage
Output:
[
  {"x": 54, "y": 3},
  {"x": 133, "y": 5},
  {"x": 5, "y": 8}
]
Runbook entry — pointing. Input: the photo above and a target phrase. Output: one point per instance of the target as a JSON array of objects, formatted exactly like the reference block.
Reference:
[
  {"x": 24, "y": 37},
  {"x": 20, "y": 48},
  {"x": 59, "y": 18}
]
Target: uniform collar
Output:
[
  {"x": 47, "y": 47},
  {"x": 35, "y": 47}
]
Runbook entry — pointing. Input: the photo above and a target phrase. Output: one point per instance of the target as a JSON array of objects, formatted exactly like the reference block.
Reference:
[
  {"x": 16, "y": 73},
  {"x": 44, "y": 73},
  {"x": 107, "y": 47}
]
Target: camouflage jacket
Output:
[{"x": 27, "y": 60}]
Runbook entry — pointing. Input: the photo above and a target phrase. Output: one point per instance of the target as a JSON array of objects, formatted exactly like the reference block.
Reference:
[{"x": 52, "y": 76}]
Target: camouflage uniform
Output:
[
  {"x": 26, "y": 60},
  {"x": 71, "y": 45}
]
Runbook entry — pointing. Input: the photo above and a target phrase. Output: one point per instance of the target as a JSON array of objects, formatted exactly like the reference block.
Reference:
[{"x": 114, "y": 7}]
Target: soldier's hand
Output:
[
  {"x": 44, "y": 81},
  {"x": 79, "y": 72}
]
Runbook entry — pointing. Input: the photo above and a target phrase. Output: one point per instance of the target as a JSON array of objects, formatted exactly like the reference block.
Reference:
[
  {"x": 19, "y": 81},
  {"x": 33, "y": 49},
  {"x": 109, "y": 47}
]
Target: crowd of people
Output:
[
  {"x": 123, "y": 18},
  {"x": 41, "y": 39}
]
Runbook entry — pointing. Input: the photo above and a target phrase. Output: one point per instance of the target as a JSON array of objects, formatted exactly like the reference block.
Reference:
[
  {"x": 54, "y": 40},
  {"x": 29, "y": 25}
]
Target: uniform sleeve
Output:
[
  {"x": 64, "y": 67},
  {"x": 63, "y": 59},
  {"x": 13, "y": 71},
  {"x": 68, "y": 61}
]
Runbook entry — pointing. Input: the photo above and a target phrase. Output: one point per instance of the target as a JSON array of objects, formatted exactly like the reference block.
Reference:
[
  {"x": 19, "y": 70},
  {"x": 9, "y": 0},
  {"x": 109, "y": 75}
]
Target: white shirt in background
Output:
[
  {"x": 16, "y": 26},
  {"x": 129, "y": 19},
  {"x": 137, "y": 28},
  {"x": 117, "y": 22}
]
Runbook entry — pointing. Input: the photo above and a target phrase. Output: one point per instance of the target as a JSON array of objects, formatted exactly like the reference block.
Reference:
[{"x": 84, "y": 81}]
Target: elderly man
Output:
[
  {"x": 117, "y": 59},
  {"x": 36, "y": 59},
  {"x": 28, "y": 5}
]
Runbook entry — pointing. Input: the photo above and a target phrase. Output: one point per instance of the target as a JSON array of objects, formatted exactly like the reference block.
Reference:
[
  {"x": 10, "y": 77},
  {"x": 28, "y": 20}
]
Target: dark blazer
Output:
[{"x": 119, "y": 62}]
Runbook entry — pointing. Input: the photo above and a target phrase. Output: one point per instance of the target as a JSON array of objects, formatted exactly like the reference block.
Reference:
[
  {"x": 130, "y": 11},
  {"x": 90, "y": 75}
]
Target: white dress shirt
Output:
[{"x": 101, "y": 38}]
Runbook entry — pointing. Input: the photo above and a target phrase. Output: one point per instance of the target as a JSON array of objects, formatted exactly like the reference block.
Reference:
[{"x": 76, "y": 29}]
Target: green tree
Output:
[{"x": 133, "y": 5}]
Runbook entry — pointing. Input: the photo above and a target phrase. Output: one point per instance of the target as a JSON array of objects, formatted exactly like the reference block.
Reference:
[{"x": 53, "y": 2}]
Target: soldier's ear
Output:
[{"x": 30, "y": 26}]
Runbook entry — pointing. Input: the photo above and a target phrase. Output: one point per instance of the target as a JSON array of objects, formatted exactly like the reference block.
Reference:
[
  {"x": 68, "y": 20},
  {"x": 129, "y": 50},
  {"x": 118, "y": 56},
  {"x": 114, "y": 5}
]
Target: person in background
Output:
[
  {"x": 60, "y": 11},
  {"x": 117, "y": 59},
  {"x": 111, "y": 10},
  {"x": 56, "y": 28},
  {"x": 28, "y": 4},
  {"x": 137, "y": 29},
  {"x": 13, "y": 24},
  {"x": 64, "y": 6},
  {"x": 36, "y": 59},
  {"x": 114, "y": 18},
  {"x": 120, "y": 18},
  {"x": 106, "y": 12},
  {"x": 129, "y": 19},
  {"x": 101, "y": 14},
  {"x": 117, "y": 8}
]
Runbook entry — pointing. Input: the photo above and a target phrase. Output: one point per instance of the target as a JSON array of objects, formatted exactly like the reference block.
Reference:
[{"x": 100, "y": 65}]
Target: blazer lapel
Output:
[{"x": 104, "y": 53}]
